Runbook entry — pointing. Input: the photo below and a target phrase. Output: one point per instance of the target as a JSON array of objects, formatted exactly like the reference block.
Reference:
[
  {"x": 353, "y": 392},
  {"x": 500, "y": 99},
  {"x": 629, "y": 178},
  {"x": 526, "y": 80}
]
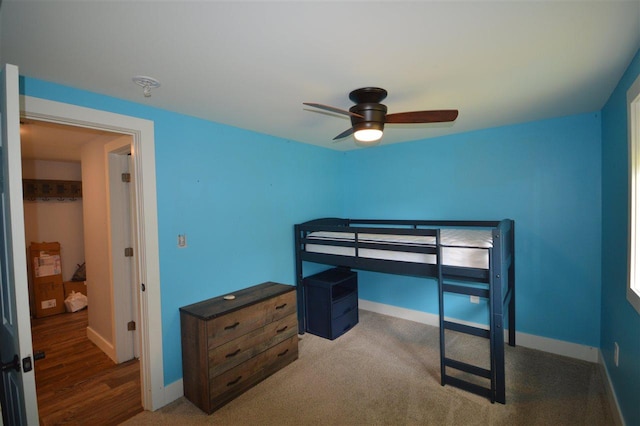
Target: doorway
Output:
[
  {"x": 63, "y": 153},
  {"x": 146, "y": 234}
]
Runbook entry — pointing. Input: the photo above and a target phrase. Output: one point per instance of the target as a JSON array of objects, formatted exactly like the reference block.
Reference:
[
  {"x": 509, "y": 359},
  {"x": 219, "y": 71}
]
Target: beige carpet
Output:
[{"x": 386, "y": 371}]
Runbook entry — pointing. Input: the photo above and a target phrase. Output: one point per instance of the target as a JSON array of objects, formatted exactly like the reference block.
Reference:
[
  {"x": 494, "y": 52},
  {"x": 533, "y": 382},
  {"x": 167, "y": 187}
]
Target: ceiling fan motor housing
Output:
[{"x": 373, "y": 116}]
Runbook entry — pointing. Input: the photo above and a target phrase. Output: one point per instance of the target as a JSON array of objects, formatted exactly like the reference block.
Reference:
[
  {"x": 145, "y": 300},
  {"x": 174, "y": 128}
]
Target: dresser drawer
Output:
[
  {"x": 228, "y": 327},
  {"x": 280, "y": 307},
  {"x": 235, "y": 381},
  {"x": 236, "y": 377},
  {"x": 280, "y": 355},
  {"x": 236, "y": 351}
]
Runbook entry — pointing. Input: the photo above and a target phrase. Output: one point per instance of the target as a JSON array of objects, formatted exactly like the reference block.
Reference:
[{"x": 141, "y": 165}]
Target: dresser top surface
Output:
[{"x": 217, "y": 306}]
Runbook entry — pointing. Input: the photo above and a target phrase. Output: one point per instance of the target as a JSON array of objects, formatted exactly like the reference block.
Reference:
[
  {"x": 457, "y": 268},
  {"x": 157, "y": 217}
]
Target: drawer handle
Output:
[
  {"x": 233, "y": 382},
  {"x": 349, "y": 309},
  {"x": 231, "y": 327},
  {"x": 281, "y": 306},
  {"x": 232, "y": 354},
  {"x": 282, "y": 329},
  {"x": 283, "y": 353}
]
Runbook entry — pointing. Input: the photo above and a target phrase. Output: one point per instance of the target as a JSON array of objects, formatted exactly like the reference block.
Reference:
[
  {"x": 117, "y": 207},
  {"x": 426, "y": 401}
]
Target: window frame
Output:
[{"x": 633, "y": 118}]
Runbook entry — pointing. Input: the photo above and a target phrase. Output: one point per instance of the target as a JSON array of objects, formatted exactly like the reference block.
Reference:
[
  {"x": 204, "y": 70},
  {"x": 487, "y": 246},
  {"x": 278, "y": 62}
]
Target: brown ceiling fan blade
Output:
[
  {"x": 344, "y": 134},
  {"x": 333, "y": 109},
  {"x": 436, "y": 116}
]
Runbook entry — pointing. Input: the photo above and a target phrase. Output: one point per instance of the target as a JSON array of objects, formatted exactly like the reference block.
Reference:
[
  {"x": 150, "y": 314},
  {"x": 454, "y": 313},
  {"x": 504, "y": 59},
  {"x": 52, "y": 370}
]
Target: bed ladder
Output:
[{"x": 492, "y": 294}]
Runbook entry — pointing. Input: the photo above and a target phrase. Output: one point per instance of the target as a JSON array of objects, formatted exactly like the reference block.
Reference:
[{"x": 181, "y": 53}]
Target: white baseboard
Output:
[
  {"x": 558, "y": 347},
  {"x": 395, "y": 311},
  {"x": 101, "y": 343},
  {"x": 173, "y": 391},
  {"x": 611, "y": 395}
]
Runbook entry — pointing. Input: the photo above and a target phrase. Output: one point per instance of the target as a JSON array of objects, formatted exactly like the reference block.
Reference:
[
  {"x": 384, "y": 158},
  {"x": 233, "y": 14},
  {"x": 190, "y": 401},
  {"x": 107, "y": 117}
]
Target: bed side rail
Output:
[
  {"x": 403, "y": 222},
  {"x": 427, "y": 223},
  {"x": 357, "y": 243}
]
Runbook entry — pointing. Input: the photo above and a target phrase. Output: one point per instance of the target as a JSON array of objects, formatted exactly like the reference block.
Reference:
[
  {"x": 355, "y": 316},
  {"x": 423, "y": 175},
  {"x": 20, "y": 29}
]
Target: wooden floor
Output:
[{"x": 76, "y": 382}]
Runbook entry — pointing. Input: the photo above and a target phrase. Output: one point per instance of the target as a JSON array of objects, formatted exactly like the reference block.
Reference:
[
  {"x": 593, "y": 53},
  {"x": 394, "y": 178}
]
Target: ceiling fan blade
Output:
[
  {"x": 333, "y": 109},
  {"x": 344, "y": 134},
  {"x": 436, "y": 116}
]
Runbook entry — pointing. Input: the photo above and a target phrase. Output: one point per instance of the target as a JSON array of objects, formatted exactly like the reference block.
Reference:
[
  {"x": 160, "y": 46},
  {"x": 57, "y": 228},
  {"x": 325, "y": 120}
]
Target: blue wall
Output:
[
  {"x": 620, "y": 322},
  {"x": 545, "y": 175},
  {"x": 236, "y": 195}
]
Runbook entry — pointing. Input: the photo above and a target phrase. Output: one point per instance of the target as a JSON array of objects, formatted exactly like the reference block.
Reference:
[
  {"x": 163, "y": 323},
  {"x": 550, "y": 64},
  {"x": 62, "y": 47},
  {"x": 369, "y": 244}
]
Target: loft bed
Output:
[{"x": 475, "y": 258}]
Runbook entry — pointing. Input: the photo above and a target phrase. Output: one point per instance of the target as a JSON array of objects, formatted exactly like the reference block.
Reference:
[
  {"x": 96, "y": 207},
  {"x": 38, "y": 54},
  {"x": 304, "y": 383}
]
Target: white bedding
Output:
[{"x": 460, "y": 247}]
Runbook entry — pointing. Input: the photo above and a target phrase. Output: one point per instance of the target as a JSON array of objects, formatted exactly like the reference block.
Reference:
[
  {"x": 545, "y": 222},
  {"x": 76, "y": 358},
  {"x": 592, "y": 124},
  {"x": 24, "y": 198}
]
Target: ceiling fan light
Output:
[{"x": 368, "y": 135}]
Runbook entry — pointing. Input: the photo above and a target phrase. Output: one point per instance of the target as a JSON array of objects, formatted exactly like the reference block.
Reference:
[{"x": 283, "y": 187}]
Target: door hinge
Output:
[
  {"x": 126, "y": 177},
  {"x": 131, "y": 326},
  {"x": 128, "y": 252}
]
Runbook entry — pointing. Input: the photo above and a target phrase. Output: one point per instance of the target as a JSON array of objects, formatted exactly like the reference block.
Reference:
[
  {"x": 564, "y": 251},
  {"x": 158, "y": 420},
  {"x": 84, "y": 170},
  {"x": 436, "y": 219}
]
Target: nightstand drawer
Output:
[
  {"x": 345, "y": 305},
  {"x": 344, "y": 323}
]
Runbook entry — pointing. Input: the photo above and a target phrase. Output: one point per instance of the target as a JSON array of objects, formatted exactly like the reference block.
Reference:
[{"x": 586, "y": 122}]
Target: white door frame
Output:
[{"x": 145, "y": 212}]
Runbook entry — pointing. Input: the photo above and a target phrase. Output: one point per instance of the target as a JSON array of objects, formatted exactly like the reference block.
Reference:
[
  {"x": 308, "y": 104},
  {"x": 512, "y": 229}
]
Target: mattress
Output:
[{"x": 460, "y": 247}]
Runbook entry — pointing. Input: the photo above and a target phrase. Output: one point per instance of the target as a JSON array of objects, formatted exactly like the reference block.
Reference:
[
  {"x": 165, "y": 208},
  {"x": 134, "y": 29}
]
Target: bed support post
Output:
[
  {"x": 299, "y": 284},
  {"x": 441, "y": 325},
  {"x": 496, "y": 322},
  {"x": 502, "y": 296},
  {"x": 512, "y": 286}
]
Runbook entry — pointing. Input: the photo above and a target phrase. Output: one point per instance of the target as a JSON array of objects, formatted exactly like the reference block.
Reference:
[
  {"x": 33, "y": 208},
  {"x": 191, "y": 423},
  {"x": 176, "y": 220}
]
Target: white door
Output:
[
  {"x": 123, "y": 261},
  {"x": 19, "y": 385}
]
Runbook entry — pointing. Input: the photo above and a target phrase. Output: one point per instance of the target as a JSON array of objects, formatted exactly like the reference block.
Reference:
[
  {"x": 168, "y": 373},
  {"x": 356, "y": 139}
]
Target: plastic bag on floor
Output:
[{"x": 75, "y": 302}]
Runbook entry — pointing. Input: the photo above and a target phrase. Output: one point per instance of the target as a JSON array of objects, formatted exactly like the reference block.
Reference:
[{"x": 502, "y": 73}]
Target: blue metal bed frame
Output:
[{"x": 496, "y": 285}]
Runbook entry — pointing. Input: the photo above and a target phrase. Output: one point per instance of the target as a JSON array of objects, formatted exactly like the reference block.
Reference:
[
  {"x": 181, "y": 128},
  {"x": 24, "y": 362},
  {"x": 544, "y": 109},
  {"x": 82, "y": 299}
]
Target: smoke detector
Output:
[{"x": 147, "y": 83}]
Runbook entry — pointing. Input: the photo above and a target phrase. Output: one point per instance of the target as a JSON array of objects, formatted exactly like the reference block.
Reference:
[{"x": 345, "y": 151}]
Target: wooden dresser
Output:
[{"x": 230, "y": 345}]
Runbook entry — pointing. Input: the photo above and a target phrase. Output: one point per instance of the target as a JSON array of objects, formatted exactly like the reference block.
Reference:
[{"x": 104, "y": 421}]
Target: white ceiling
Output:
[
  {"x": 41, "y": 140},
  {"x": 252, "y": 64}
]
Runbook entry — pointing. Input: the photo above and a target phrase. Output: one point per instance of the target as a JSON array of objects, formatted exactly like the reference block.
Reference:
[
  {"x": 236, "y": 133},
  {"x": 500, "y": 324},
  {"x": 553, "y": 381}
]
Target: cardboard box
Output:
[
  {"x": 77, "y": 286},
  {"x": 45, "y": 279},
  {"x": 49, "y": 296}
]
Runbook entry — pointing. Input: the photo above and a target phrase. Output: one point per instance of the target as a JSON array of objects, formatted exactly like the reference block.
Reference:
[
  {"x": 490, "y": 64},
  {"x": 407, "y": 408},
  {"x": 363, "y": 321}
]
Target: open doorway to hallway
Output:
[
  {"x": 86, "y": 231},
  {"x": 154, "y": 392}
]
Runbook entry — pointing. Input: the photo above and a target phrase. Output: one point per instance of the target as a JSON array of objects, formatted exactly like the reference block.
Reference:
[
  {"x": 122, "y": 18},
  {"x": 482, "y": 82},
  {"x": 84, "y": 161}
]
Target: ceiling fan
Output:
[{"x": 368, "y": 115}]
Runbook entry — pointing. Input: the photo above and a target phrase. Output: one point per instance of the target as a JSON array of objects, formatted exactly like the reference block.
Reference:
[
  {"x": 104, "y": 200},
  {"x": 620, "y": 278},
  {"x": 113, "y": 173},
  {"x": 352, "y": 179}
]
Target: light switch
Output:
[{"x": 182, "y": 240}]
